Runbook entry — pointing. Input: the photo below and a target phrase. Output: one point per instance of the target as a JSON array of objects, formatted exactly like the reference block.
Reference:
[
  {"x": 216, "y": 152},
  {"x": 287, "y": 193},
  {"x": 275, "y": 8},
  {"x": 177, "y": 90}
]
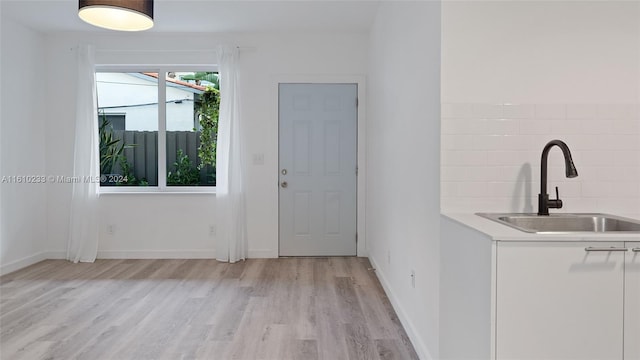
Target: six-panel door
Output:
[{"x": 317, "y": 174}]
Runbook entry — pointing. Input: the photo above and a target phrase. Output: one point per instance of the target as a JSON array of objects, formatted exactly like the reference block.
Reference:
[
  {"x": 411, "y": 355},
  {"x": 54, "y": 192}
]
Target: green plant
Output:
[
  {"x": 185, "y": 173},
  {"x": 208, "y": 118},
  {"x": 111, "y": 149},
  {"x": 127, "y": 172},
  {"x": 206, "y": 76}
]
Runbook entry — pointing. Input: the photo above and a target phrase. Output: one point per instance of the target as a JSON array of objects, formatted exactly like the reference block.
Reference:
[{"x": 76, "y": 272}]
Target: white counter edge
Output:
[{"x": 499, "y": 232}]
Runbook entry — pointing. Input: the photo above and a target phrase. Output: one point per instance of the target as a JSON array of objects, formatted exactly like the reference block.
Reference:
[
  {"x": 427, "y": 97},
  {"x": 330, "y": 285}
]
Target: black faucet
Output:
[{"x": 544, "y": 204}]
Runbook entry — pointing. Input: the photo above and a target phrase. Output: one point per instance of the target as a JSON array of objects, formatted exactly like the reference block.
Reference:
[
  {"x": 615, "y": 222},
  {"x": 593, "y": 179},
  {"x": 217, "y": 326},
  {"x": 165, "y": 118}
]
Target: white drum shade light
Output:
[{"x": 123, "y": 15}]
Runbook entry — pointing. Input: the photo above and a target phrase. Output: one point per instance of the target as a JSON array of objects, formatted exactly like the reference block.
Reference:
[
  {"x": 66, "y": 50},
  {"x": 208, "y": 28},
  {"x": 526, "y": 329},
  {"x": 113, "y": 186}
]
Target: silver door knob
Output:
[{"x": 284, "y": 184}]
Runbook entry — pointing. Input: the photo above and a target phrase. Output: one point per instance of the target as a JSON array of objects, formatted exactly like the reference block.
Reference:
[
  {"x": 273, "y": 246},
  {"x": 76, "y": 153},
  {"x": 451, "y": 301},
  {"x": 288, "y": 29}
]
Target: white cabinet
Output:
[
  {"x": 632, "y": 302},
  {"x": 555, "y": 300},
  {"x": 537, "y": 299}
]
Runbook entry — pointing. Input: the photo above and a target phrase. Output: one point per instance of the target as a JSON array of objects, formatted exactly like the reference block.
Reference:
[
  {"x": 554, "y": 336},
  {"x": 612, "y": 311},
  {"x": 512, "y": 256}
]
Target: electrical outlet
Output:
[
  {"x": 111, "y": 229},
  {"x": 413, "y": 278},
  {"x": 212, "y": 230}
]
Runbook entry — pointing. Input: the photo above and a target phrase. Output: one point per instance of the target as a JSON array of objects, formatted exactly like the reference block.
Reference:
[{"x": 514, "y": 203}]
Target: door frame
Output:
[{"x": 360, "y": 81}]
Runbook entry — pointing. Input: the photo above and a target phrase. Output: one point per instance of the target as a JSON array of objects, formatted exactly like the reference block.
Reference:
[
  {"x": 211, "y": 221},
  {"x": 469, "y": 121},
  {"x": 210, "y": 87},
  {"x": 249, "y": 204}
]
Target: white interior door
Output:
[{"x": 317, "y": 146}]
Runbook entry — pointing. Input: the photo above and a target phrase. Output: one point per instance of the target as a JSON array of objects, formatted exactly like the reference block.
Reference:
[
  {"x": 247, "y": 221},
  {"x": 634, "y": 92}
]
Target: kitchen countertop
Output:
[{"x": 499, "y": 232}]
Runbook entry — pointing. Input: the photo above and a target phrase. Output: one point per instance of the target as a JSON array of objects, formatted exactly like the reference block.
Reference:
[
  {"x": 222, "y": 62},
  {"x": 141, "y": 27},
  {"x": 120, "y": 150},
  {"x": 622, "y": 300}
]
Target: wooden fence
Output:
[{"x": 143, "y": 156}]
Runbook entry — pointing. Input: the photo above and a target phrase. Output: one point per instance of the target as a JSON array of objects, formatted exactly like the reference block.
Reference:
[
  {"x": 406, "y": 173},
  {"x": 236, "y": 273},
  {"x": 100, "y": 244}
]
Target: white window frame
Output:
[{"x": 162, "y": 187}]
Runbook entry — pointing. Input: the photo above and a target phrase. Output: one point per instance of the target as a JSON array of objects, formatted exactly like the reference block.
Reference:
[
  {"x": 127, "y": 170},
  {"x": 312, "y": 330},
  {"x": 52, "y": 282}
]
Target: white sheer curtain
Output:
[
  {"x": 231, "y": 244},
  {"x": 83, "y": 227}
]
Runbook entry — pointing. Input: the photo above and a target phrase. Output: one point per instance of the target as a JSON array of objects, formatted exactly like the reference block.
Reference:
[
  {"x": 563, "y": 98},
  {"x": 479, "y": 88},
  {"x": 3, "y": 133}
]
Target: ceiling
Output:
[{"x": 208, "y": 15}]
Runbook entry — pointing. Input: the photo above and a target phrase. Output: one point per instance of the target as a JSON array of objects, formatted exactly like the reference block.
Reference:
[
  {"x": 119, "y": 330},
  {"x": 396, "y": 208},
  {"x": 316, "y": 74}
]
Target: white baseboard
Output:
[
  {"x": 56, "y": 255},
  {"x": 263, "y": 254},
  {"x": 176, "y": 254},
  {"x": 418, "y": 344},
  {"x": 129, "y": 254},
  {"x": 22, "y": 263},
  {"x": 157, "y": 254}
]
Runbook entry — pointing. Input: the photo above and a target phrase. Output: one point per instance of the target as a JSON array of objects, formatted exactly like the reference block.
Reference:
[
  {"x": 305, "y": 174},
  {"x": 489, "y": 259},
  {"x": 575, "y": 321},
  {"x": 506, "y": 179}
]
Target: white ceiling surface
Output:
[{"x": 208, "y": 15}]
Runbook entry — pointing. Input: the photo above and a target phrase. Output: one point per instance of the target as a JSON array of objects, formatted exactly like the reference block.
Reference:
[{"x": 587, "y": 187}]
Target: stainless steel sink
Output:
[{"x": 566, "y": 223}]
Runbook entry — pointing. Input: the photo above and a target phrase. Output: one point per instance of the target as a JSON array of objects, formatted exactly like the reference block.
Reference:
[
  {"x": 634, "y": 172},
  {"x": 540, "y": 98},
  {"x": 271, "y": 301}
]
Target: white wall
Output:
[
  {"x": 403, "y": 147},
  {"x": 179, "y": 224},
  {"x": 540, "y": 51},
  {"x": 518, "y": 74},
  {"x": 22, "y": 141}
]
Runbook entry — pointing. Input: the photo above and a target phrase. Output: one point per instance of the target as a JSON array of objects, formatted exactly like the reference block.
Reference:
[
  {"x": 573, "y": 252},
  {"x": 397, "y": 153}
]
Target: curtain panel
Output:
[
  {"x": 83, "y": 227},
  {"x": 231, "y": 244}
]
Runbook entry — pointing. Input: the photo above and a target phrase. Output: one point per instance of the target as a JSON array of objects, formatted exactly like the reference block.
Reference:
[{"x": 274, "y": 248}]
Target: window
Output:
[{"x": 157, "y": 135}]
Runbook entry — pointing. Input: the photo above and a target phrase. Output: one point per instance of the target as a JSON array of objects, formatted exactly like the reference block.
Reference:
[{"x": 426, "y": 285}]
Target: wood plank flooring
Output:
[{"x": 271, "y": 309}]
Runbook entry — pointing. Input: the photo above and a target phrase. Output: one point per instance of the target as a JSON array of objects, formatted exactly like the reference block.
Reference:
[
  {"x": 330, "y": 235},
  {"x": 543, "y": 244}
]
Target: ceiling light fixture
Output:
[{"x": 123, "y": 15}]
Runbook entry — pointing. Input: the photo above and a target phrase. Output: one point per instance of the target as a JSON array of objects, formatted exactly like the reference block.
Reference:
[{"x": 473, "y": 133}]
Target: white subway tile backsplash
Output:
[
  {"x": 468, "y": 158},
  {"x": 597, "y": 158},
  {"x": 599, "y": 126},
  {"x": 539, "y": 126},
  {"x": 624, "y": 207},
  {"x": 491, "y": 156},
  {"x": 502, "y": 127},
  {"x": 517, "y": 173},
  {"x": 501, "y": 158},
  {"x": 500, "y": 188},
  {"x": 617, "y": 111},
  {"x": 556, "y": 173},
  {"x": 449, "y": 189},
  {"x": 565, "y": 126},
  {"x": 586, "y": 142},
  {"x": 457, "y": 126},
  {"x": 594, "y": 189},
  {"x": 488, "y": 111},
  {"x": 466, "y": 173},
  {"x": 518, "y": 111},
  {"x": 516, "y": 142},
  {"x": 581, "y": 111},
  {"x": 486, "y": 142},
  {"x": 472, "y": 189},
  {"x": 626, "y": 126},
  {"x": 465, "y": 204},
  {"x": 478, "y": 126},
  {"x": 567, "y": 189},
  {"x": 581, "y": 204},
  {"x": 451, "y": 126},
  {"x": 590, "y": 173},
  {"x": 550, "y": 111},
  {"x": 461, "y": 111},
  {"x": 446, "y": 110},
  {"x": 619, "y": 142},
  {"x": 623, "y": 189},
  {"x": 457, "y": 142},
  {"x": 616, "y": 173},
  {"x": 625, "y": 158}
]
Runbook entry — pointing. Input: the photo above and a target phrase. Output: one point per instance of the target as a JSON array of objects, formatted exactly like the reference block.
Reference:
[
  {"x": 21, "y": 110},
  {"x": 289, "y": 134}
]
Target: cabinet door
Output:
[
  {"x": 632, "y": 303},
  {"x": 555, "y": 300}
]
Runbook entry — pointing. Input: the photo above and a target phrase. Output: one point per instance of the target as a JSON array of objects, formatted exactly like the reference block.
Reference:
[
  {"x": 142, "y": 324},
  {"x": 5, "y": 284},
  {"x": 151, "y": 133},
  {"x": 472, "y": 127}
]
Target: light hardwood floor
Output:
[{"x": 273, "y": 309}]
